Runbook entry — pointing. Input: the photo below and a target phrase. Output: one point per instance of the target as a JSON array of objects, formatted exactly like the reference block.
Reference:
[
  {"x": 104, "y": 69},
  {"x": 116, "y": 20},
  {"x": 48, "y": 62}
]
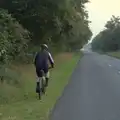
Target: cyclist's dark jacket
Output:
[{"x": 41, "y": 60}]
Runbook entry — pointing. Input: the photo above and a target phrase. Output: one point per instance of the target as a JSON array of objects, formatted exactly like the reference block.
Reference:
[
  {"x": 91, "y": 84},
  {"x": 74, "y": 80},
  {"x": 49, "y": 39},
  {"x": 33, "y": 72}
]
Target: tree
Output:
[
  {"x": 50, "y": 19},
  {"x": 13, "y": 38},
  {"x": 108, "y": 39},
  {"x": 13, "y": 44}
]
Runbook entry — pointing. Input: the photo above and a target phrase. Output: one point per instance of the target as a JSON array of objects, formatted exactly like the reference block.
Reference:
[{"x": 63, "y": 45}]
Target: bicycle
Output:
[{"x": 41, "y": 88}]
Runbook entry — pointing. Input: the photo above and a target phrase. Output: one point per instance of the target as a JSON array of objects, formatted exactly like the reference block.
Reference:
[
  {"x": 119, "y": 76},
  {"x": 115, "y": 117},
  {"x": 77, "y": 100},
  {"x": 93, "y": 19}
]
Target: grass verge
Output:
[
  {"x": 31, "y": 108},
  {"x": 114, "y": 54}
]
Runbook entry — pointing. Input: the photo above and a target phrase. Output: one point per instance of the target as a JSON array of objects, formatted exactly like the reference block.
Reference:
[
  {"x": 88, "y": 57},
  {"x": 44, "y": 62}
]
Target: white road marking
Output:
[{"x": 110, "y": 65}]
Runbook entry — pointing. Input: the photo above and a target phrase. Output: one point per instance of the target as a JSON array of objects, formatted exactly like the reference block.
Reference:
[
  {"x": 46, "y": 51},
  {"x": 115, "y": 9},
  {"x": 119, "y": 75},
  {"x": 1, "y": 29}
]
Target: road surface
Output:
[{"x": 93, "y": 92}]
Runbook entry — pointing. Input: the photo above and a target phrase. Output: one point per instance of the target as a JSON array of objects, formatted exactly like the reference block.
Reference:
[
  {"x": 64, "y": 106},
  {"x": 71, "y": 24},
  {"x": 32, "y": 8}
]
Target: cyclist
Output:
[{"x": 41, "y": 63}]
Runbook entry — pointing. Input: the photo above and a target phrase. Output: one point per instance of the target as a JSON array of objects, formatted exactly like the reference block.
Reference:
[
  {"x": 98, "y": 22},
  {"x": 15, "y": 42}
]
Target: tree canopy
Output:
[
  {"x": 108, "y": 39},
  {"x": 63, "y": 22},
  {"x": 13, "y": 38}
]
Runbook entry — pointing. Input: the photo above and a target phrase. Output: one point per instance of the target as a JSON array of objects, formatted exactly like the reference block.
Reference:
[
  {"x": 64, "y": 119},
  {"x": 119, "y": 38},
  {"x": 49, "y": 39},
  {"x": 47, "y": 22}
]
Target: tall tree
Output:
[
  {"x": 52, "y": 19},
  {"x": 108, "y": 39}
]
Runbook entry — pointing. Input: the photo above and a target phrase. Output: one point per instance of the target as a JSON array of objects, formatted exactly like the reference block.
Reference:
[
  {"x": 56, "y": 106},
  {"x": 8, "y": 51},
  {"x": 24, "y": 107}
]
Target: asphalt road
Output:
[{"x": 93, "y": 92}]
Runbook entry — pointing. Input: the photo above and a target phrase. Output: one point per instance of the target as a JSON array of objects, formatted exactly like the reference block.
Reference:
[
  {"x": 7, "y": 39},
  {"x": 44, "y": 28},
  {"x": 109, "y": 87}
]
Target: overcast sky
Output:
[{"x": 101, "y": 11}]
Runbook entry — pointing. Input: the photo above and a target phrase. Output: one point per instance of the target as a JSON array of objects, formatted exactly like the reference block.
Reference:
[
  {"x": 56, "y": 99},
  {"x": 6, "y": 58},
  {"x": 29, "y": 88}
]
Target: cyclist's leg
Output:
[
  {"x": 47, "y": 75},
  {"x": 38, "y": 80}
]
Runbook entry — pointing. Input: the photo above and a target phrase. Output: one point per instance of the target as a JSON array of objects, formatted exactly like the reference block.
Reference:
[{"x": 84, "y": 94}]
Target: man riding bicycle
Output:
[{"x": 41, "y": 63}]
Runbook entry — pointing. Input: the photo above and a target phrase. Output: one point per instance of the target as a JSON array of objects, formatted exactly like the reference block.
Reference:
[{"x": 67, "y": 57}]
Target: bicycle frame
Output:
[{"x": 42, "y": 87}]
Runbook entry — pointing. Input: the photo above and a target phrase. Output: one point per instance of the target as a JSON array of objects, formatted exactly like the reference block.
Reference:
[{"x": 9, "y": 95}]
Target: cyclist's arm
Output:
[{"x": 51, "y": 60}]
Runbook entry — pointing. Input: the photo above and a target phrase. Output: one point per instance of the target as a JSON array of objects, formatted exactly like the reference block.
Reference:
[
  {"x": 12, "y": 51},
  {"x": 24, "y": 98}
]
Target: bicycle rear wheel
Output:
[
  {"x": 38, "y": 90},
  {"x": 41, "y": 88},
  {"x": 39, "y": 96},
  {"x": 43, "y": 85}
]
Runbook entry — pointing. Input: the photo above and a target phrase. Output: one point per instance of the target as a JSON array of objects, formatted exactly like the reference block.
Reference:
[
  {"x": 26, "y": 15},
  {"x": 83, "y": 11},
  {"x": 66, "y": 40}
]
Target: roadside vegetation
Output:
[
  {"x": 114, "y": 54},
  {"x": 24, "y": 25},
  {"x": 108, "y": 40},
  {"x": 22, "y": 102}
]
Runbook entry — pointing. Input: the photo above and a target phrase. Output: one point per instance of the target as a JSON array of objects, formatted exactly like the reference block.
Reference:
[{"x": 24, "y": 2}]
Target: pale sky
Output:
[{"x": 100, "y": 11}]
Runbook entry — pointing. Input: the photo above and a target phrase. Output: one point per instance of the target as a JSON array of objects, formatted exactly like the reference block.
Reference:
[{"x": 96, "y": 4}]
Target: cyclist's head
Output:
[{"x": 44, "y": 47}]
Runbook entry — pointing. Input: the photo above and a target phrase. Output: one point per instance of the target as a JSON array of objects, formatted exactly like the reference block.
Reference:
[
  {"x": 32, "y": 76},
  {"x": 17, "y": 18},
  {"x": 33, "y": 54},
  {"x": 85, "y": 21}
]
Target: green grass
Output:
[
  {"x": 114, "y": 54},
  {"x": 26, "y": 106}
]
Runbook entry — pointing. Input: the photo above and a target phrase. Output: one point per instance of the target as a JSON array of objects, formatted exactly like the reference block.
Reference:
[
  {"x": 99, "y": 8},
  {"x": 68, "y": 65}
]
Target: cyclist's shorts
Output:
[
  {"x": 38, "y": 79},
  {"x": 39, "y": 73}
]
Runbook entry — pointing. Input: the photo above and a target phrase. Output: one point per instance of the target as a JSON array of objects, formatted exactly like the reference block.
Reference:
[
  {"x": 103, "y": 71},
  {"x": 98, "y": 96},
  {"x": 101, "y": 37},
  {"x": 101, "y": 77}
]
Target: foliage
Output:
[
  {"x": 61, "y": 22},
  {"x": 108, "y": 39},
  {"x": 13, "y": 38},
  {"x": 13, "y": 41}
]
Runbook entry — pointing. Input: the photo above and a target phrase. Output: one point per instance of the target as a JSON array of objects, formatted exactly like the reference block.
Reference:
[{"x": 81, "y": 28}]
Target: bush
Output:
[
  {"x": 13, "y": 38},
  {"x": 13, "y": 44}
]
